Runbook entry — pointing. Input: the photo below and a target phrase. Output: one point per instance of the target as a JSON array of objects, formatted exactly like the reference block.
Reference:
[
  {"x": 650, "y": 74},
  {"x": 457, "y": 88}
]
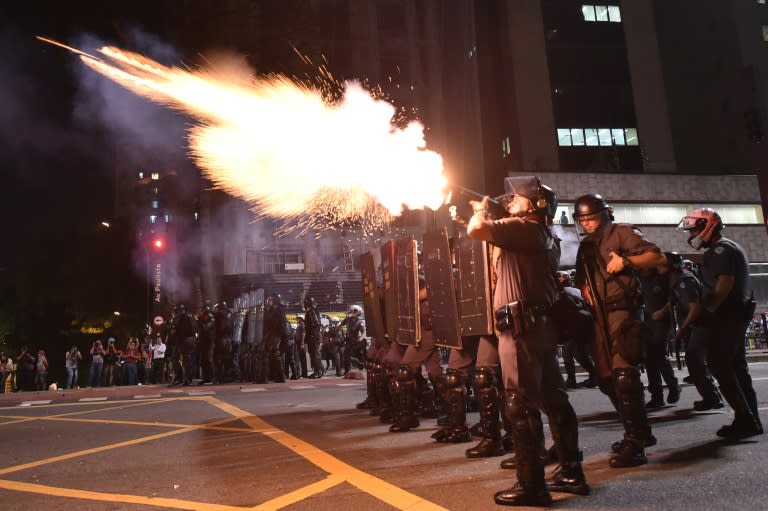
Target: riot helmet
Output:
[
  {"x": 355, "y": 310},
  {"x": 701, "y": 224},
  {"x": 564, "y": 279},
  {"x": 309, "y": 302},
  {"x": 674, "y": 261},
  {"x": 591, "y": 207},
  {"x": 542, "y": 199}
]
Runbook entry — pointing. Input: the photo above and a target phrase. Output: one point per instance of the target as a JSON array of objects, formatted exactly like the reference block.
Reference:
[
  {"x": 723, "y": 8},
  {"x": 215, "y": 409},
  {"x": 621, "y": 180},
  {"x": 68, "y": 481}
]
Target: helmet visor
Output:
[
  {"x": 588, "y": 216},
  {"x": 688, "y": 222}
]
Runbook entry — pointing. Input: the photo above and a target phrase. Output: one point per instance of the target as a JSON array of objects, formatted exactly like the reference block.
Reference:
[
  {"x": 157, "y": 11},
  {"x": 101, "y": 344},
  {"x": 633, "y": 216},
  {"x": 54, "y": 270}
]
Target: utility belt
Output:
[{"x": 519, "y": 317}]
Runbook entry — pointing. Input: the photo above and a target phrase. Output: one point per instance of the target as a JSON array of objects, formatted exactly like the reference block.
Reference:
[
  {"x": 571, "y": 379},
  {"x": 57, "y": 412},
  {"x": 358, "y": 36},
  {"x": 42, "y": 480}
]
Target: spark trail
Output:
[{"x": 285, "y": 148}]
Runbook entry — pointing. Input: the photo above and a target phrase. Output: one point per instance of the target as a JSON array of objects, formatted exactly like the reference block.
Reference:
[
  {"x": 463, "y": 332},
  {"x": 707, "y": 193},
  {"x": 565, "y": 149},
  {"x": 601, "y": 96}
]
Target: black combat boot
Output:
[
  {"x": 569, "y": 476},
  {"x": 426, "y": 406},
  {"x": 383, "y": 396},
  {"x": 745, "y": 424},
  {"x": 457, "y": 431},
  {"x": 393, "y": 405},
  {"x": 445, "y": 419},
  {"x": 487, "y": 392},
  {"x": 530, "y": 488},
  {"x": 406, "y": 397},
  {"x": 630, "y": 452},
  {"x": 370, "y": 402},
  {"x": 673, "y": 394},
  {"x": 712, "y": 398},
  {"x": 656, "y": 402}
]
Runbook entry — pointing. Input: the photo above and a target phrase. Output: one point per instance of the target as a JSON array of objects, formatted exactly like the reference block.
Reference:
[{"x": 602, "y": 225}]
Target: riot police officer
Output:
[
  {"x": 207, "y": 328},
  {"x": 274, "y": 335},
  {"x": 655, "y": 288},
  {"x": 186, "y": 334},
  {"x": 526, "y": 256},
  {"x": 354, "y": 338},
  {"x": 684, "y": 307},
  {"x": 223, "y": 325},
  {"x": 606, "y": 271},
  {"x": 313, "y": 336},
  {"x": 725, "y": 314}
]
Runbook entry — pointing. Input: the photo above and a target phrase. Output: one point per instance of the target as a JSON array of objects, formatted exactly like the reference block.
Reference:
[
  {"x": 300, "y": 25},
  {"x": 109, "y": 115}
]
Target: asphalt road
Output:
[{"x": 303, "y": 446}]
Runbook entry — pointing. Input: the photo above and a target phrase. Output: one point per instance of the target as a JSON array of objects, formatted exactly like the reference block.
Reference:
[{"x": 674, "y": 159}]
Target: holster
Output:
[{"x": 518, "y": 317}]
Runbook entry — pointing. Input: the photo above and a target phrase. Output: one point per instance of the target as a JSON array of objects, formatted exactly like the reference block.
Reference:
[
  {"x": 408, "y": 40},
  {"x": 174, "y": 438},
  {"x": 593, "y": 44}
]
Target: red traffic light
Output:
[{"x": 158, "y": 243}]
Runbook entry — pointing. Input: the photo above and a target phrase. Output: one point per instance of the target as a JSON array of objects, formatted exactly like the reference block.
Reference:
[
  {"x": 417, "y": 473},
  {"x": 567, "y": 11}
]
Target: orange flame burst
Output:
[{"x": 280, "y": 146}]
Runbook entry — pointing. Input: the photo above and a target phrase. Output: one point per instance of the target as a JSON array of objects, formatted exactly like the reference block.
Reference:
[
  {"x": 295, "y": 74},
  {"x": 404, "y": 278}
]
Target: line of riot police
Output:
[{"x": 253, "y": 341}]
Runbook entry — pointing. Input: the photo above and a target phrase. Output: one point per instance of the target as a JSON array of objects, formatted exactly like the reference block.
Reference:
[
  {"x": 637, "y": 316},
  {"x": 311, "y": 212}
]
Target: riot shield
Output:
[
  {"x": 254, "y": 318},
  {"x": 238, "y": 320},
  {"x": 408, "y": 329},
  {"x": 374, "y": 321},
  {"x": 390, "y": 287},
  {"x": 474, "y": 285},
  {"x": 437, "y": 264}
]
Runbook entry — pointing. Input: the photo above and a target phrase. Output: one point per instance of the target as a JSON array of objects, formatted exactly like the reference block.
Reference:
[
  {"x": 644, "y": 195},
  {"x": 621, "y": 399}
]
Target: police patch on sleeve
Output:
[
  {"x": 682, "y": 285},
  {"x": 719, "y": 250}
]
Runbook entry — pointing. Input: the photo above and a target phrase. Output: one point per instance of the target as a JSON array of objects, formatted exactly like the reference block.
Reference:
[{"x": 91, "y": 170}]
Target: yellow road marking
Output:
[
  {"x": 339, "y": 471},
  {"x": 115, "y": 497},
  {"x": 382, "y": 490},
  {"x": 300, "y": 494}
]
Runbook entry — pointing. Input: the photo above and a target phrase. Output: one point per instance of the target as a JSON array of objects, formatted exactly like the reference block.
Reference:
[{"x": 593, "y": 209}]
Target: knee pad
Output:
[
  {"x": 626, "y": 380},
  {"x": 485, "y": 377},
  {"x": 454, "y": 378},
  {"x": 514, "y": 408}
]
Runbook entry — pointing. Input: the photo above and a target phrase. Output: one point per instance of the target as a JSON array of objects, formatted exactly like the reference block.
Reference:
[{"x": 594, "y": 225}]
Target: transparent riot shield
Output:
[
  {"x": 474, "y": 285},
  {"x": 389, "y": 288},
  {"x": 408, "y": 329},
  {"x": 374, "y": 319},
  {"x": 437, "y": 263}
]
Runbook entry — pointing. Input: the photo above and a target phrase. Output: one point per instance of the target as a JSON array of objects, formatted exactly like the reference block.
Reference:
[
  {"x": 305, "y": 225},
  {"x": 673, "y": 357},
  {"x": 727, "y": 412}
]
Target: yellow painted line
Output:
[
  {"x": 94, "y": 450},
  {"x": 382, "y": 490},
  {"x": 300, "y": 494},
  {"x": 115, "y": 497}
]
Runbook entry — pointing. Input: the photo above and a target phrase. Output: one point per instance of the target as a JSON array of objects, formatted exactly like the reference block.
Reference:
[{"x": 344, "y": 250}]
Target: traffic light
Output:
[{"x": 158, "y": 243}]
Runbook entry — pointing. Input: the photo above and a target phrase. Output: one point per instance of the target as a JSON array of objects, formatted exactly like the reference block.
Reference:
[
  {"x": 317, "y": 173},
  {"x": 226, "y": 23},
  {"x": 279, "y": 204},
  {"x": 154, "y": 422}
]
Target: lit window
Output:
[
  {"x": 589, "y": 12},
  {"x": 152, "y": 219},
  {"x": 631, "y": 134},
  {"x": 196, "y": 216},
  {"x": 604, "y": 134},
  {"x": 141, "y": 175},
  {"x": 506, "y": 147},
  {"x": 614, "y": 13},
  {"x": 601, "y": 12},
  {"x": 577, "y": 136},
  {"x": 155, "y": 204},
  {"x": 564, "y": 136},
  {"x": 591, "y": 136},
  {"x": 155, "y": 176},
  {"x": 167, "y": 217},
  {"x": 765, "y": 32},
  {"x": 618, "y": 137}
]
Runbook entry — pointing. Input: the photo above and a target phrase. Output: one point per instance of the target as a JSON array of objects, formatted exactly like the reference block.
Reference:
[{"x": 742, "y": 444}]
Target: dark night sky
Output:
[{"x": 57, "y": 131}]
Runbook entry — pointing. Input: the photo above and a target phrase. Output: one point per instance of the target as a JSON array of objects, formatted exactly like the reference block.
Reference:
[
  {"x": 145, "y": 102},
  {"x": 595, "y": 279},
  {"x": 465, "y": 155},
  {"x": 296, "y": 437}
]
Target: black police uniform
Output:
[
  {"x": 685, "y": 290},
  {"x": 618, "y": 350},
  {"x": 726, "y": 328},
  {"x": 655, "y": 289}
]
